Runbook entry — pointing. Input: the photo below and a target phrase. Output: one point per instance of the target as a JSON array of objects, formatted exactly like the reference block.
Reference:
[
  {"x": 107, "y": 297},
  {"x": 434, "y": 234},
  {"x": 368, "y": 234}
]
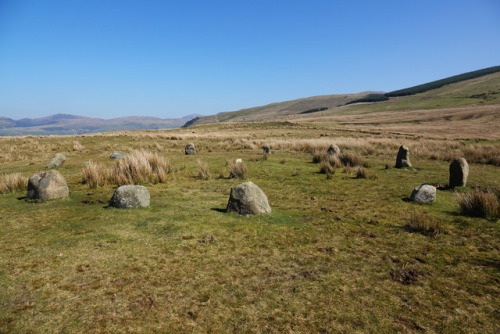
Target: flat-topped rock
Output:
[
  {"x": 57, "y": 161},
  {"x": 47, "y": 185},
  {"x": 117, "y": 155},
  {"x": 130, "y": 196},
  {"x": 248, "y": 199}
]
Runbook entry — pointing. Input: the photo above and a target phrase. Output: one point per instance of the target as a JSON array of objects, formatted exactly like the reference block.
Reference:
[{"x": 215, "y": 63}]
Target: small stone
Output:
[
  {"x": 48, "y": 185},
  {"x": 190, "y": 150},
  {"x": 403, "y": 158},
  {"x": 424, "y": 194},
  {"x": 57, "y": 161},
  {"x": 248, "y": 199},
  {"x": 130, "y": 196},
  {"x": 459, "y": 172},
  {"x": 266, "y": 149},
  {"x": 333, "y": 150},
  {"x": 117, "y": 155}
]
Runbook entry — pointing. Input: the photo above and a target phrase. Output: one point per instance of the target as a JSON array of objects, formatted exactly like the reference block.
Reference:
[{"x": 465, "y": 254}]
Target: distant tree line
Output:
[
  {"x": 314, "y": 110},
  {"x": 442, "y": 82},
  {"x": 370, "y": 98}
]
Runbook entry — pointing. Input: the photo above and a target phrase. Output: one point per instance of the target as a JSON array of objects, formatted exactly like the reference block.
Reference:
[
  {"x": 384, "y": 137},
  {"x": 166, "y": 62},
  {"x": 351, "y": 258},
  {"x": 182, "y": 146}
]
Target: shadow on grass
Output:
[{"x": 223, "y": 210}]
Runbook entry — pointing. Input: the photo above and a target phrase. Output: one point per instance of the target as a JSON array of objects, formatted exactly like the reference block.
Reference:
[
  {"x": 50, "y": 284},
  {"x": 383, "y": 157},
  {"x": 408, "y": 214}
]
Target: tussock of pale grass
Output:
[
  {"x": 352, "y": 159},
  {"x": 95, "y": 174},
  {"x": 203, "y": 170},
  {"x": 12, "y": 182},
  {"x": 478, "y": 203},
  {"x": 237, "y": 170},
  {"x": 141, "y": 167},
  {"x": 77, "y": 146},
  {"x": 360, "y": 172}
]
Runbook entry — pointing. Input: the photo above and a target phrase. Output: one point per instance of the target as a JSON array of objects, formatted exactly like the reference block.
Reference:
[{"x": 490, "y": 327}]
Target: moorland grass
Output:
[{"x": 335, "y": 255}]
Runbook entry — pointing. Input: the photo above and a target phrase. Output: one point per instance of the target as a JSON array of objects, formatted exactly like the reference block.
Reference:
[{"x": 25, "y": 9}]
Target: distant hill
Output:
[
  {"x": 64, "y": 124},
  {"x": 279, "y": 110},
  {"x": 480, "y": 87}
]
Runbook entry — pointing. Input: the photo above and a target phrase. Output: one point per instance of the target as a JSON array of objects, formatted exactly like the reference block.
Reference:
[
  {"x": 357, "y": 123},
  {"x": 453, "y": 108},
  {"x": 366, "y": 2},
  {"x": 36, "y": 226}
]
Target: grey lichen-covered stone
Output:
[
  {"x": 266, "y": 149},
  {"x": 424, "y": 194},
  {"x": 130, "y": 196},
  {"x": 459, "y": 172},
  {"x": 403, "y": 158},
  {"x": 248, "y": 199},
  {"x": 190, "y": 150},
  {"x": 333, "y": 150},
  {"x": 117, "y": 155},
  {"x": 48, "y": 185},
  {"x": 57, "y": 161}
]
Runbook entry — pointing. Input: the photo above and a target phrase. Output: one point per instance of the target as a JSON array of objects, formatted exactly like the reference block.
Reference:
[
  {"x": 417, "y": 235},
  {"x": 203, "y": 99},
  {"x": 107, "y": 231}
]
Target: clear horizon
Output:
[{"x": 167, "y": 60}]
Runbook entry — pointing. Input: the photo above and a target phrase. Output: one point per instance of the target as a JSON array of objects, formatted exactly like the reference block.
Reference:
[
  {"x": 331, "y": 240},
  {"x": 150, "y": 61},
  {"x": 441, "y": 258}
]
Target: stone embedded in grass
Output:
[
  {"x": 403, "y": 158},
  {"x": 117, "y": 155},
  {"x": 266, "y": 149},
  {"x": 248, "y": 199},
  {"x": 459, "y": 172},
  {"x": 424, "y": 194},
  {"x": 333, "y": 150},
  {"x": 190, "y": 150},
  {"x": 57, "y": 161},
  {"x": 48, "y": 185},
  {"x": 130, "y": 196}
]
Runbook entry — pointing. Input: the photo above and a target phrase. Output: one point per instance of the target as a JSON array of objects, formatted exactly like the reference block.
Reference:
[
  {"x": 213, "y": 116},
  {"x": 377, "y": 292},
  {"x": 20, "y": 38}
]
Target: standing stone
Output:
[
  {"x": 130, "y": 196},
  {"x": 190, "y": 150},
  {"x": 459, "y": 171},
  {"x": 48, "y": 185},
  {"x": 117, "y": 155},
  {"x": 333, "y": 150},
  {"x": 248, "y": 199},
  {"x": 57, "y": 161},
  {"x": 424, "y": 194},
  {"x": 403, "y": 158},
  {"x": 266, "y": 149}
]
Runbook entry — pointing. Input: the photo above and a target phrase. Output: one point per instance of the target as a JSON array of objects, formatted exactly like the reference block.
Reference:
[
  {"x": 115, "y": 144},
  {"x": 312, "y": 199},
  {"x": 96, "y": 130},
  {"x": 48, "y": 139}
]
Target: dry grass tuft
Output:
[
  {"x": 352, "y": 159},
  {"x": 77, "y": 146},
  {"x": 12, "y": 182},
  {"x": 360, "y": 172},
  {"x": 478, "y": 203},
  {"x": 420, "y": 223},
  {"x": 141, "y": 167},
  {"x": 203, "y": 170},
  {"x": 95, "y": 174},
  {"x": 237, "y": 170}
]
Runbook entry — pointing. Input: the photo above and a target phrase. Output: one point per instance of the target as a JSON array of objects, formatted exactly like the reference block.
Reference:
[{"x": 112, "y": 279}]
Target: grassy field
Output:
[{"x": 335, "y": 255}]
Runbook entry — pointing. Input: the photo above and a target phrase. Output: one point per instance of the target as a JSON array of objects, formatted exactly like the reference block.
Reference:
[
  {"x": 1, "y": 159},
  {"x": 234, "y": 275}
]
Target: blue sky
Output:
[{"x": 172, "y": 58}]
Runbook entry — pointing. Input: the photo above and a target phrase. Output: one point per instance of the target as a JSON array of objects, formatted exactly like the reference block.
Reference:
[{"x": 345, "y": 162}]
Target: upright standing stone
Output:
[
  {"x": 459, "y": 171},
  {"x": 266, "y": 149},
  {"x": 248, "y": 199},
  {"x": 190, "y": 150},
  {"x": 333, "y": 150},
  {"x": 48, "y": 185},
  {"x": 57, "y": 161},
  {"x": 403, "y": 158},
  {"x": 130, "y": 196}
]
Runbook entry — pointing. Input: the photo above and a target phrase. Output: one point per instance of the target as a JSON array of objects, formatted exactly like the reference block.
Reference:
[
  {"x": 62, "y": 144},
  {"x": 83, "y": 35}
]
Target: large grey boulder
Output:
[
  {"x": 48, "y": 185},
  {"x": 333, "y": 150},
  {"x": 190, "y": 150},
  {"x": 403, "y": 158},
  {"x": 117, "y": 155},
  {"x": 130, "y": 196},
  {"x": 247, "y": 199},
  {"x": 424, "y": 194},
  {"x": 459, "y": 172},
  {"x": 57, "y": 161}
]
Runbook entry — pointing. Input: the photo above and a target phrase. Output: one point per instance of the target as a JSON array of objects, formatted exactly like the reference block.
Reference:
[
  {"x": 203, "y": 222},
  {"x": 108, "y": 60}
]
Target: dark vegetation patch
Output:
[
  {"x": 405, "y": 276},
  {"x": 314, "y": 110}
]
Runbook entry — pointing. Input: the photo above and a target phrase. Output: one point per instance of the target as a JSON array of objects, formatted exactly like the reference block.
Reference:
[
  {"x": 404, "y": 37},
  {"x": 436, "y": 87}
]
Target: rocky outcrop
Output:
[{"x": 48, "y": 185}]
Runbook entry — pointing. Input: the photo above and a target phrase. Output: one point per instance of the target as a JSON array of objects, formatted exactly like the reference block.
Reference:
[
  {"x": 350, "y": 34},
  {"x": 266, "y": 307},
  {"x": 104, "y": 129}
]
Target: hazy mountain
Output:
[{"x": 64, "y": 124}]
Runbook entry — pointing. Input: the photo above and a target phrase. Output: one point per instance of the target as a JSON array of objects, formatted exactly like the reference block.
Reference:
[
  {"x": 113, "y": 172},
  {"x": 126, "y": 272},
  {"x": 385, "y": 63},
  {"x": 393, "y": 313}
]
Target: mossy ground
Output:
[{"x": 334, "y": 256}]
